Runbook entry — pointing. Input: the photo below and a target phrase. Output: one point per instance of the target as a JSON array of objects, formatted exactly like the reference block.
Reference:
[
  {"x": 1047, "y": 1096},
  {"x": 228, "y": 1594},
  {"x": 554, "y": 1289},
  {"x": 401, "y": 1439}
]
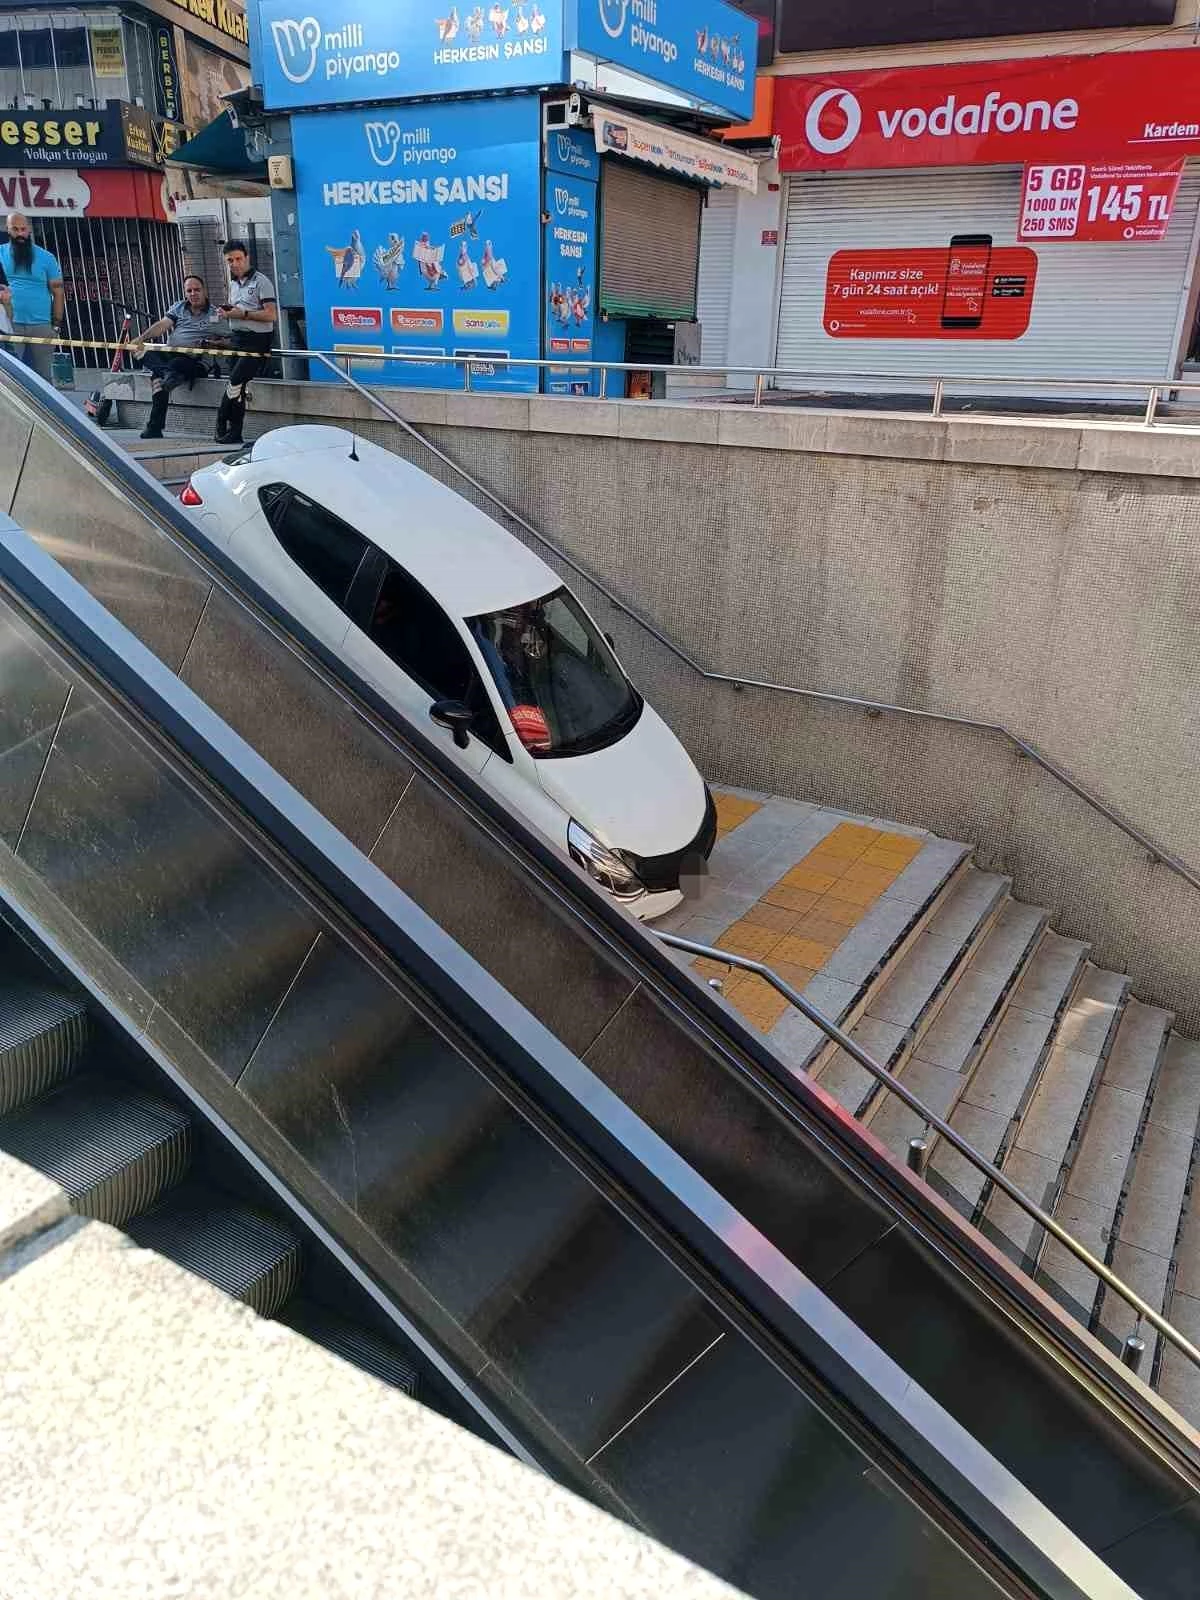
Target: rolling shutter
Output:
[
  {"x": 714, "y": 292},
  {"x": 1099, "y": 310},
  {"x": 650, "y": 243}
]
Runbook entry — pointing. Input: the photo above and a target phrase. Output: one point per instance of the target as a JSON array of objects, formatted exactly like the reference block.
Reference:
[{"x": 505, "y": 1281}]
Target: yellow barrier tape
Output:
[{"x": 131, "y": 344}]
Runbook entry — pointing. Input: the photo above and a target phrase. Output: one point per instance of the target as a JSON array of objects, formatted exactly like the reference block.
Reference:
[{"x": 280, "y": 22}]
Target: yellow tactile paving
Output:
[
  {"x": 732, "y": 811},
  {"x": 800, "y": 921}
]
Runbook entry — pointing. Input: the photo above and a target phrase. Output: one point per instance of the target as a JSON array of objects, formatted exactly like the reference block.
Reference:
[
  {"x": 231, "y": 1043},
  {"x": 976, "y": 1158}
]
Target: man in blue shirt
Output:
[{"x": 38, "y": 301}]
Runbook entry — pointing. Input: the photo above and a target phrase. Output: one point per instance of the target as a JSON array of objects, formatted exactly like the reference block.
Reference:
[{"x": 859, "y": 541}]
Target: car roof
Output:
[{"x": 463, "y": 557}]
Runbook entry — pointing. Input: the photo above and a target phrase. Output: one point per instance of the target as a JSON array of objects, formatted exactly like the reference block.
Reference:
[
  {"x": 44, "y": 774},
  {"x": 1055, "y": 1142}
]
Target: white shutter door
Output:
[
  {"x": 1099, "y": 310},
  {"x": 714, "y": 292}
]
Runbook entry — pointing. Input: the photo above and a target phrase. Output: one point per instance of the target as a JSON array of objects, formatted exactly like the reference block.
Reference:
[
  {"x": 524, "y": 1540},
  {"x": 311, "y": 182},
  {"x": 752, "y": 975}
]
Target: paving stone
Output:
[
  {"x": 1176, "y": 1102},
  {"x": 1151, "y": 1216},
  {"x": 1090, "y": 1226},
  {"x": 1054, "y": 1110},
  {"x": 1008, "y": 942},
  {"x": 984, "y": 1131},
  {"x": 1180, "y": 1382},
  {"x": 1187, "y": 1259},
  {"x": 866, "y": 945},
  {"x": 914, "y": 980},
  {"x": 1137, "y": 1047},
  {"x": 842, "y": 1076},
  {"x": 1146, "y": 1274},
  {"x": 922, "y": 879},
  {"x": 1007, "y": 1065},
  {"x": 969, "y": 901},
  {"x": 1088, "y": 1019},
  {"x": 1035, "y": 1177},
  {"x": 1099, "y": 1168},
  {"x": 978, "y": 992},
  {"x": 894, "y": 1123},
  {"x": 1045, "y": 983},
  {"x": 29, "y": 1203}
]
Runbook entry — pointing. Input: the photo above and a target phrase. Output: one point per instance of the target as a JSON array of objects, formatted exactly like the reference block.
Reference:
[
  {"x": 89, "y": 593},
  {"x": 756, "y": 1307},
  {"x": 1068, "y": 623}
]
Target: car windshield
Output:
[{"x": 559, "y": 681}]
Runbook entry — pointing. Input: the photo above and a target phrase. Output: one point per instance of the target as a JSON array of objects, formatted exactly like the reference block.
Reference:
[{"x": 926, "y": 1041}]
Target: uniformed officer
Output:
[{"x": 251, "y": 311}]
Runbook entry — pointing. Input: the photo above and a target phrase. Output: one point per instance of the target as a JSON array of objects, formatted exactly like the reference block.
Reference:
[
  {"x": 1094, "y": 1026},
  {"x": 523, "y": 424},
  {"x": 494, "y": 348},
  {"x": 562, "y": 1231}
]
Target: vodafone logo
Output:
[{"x": 822, "y": 107}]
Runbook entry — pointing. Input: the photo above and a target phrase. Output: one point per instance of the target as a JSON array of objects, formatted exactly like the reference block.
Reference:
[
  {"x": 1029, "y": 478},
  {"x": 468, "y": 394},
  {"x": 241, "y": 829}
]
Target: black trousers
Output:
[
  {"x": 245, "y": 367},
  {"x": 172, "y": 372}
]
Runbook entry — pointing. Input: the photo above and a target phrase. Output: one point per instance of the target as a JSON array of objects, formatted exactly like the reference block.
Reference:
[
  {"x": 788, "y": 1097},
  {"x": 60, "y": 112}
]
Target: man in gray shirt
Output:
[
  {"x": 252, "y": 312},
  {"x": 190, "y": 322}
]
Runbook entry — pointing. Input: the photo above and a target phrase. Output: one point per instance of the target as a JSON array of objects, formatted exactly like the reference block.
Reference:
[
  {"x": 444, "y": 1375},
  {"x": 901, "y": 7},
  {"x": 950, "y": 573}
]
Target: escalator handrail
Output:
[
  {"x": 805, "y": 1332},
  {"x": 692, "y": 1005}
]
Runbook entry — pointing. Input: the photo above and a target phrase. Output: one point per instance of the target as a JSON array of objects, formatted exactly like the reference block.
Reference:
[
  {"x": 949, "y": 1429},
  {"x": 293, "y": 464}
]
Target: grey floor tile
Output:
[
  {"x": 914, "y": 979},
  {"x": 984, "y": 1130},
  {"x": 1176, "y": 1101},
  {"x": 894, "y": 1123},
  {"x": 1187, "y": 1279},
  {"x": 1089, "y": 1225},
  {"x": 1100, "y": 1164},
  {"x": 1137, "y": 1046},
  {"x": 1055, "y": 1107},
  {"x": 1152, "y": 1208},
  {"x": 1146, "y": 1274},
  {"x": 927, "y": 873},
  {"x": 973, "y": 897},
  {"x": 1180, "y": 1385},
  {"x": 1003, "y": 1073},
  {"x": 1035, "y": 1177},
  {"x": 866, "y": 944},
  {"x": 844, "y": 1078},
  {"x": 961, "y": 1021},
  {"x": 1008, "y": 941},
  {"x": 1045, "y": 984},
  {"x": 1088, "y": 1019}
]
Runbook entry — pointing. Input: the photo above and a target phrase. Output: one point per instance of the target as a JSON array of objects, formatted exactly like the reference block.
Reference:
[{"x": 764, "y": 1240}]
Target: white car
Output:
[{"x": 458, "y": 625}]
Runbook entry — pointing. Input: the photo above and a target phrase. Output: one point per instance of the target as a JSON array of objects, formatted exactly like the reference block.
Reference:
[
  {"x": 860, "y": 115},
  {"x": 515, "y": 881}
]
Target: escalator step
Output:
[
  {"x": 42, "y": 1036},
  {"x": 361, "y": 1347},
  {"x": 113, "y": 1151},
  {"x": 250, "y": 1256}
]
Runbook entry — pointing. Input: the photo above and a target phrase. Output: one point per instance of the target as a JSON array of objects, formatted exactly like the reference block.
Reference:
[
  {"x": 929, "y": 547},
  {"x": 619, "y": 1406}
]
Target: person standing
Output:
[
  {"x": 251, "y": 310},
  {"x": 39, "y": 302},
  {"x": 190, "y": 322},
  {"x": 5, "y": 307}
]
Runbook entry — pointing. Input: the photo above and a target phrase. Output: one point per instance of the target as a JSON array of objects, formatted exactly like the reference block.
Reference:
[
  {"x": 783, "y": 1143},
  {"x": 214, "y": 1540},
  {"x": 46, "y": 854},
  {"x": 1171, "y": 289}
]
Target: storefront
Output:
[
  {"x": 1029, "y": 218},
  {"x": 472, "y": 227}
]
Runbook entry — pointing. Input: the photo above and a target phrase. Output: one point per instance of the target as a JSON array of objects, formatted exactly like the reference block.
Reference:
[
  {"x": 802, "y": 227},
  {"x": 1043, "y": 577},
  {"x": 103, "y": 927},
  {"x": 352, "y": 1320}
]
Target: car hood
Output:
[{"x": 642, "y": 793}]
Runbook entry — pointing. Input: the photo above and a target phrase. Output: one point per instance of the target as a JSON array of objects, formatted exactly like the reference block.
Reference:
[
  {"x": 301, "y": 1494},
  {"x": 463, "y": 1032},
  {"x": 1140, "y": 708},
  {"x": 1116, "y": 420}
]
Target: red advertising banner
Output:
[
  {"x": 966, "y": 290},
  {"x": 1125, "y": 105},
  {"x": 1103, "y": 202}
]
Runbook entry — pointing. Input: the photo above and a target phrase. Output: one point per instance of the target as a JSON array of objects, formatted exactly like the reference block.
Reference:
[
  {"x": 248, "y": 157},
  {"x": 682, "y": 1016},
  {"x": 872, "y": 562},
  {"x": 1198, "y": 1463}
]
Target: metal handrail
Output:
[
  {"x": 1144, "y": 1310},
  {"x": 890, "y": 1081}
]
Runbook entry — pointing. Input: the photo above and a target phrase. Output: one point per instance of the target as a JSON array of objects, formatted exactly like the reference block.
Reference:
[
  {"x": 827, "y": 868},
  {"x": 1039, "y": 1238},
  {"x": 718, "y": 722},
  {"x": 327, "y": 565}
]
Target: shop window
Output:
[{"x": 71, "y": 48}]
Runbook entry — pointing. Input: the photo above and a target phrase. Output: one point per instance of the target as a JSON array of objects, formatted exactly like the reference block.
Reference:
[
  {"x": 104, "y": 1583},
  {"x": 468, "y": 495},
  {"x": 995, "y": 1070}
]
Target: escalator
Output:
[{"x": 602, "y": 1262}]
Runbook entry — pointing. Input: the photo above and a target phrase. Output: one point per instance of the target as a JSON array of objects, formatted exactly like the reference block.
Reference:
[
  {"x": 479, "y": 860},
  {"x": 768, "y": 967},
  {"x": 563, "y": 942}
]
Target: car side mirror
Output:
[{"x": 455, "y": 717}]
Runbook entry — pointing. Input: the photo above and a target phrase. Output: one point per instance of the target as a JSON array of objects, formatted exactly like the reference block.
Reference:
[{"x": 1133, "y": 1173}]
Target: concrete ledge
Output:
[
  {"x": 165, "y": 1441},
  {"x": 1059, "y": 444}
]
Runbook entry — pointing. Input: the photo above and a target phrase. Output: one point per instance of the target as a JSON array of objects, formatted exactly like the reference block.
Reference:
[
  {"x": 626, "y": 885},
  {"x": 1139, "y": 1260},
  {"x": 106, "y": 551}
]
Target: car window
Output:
[
  {"x": 411, "y": 628},
  {"x": 321, "y": 545}
]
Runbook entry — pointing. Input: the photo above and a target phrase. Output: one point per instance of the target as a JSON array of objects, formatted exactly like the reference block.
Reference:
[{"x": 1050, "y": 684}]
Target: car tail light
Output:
[{"x": 190, "y": 497}]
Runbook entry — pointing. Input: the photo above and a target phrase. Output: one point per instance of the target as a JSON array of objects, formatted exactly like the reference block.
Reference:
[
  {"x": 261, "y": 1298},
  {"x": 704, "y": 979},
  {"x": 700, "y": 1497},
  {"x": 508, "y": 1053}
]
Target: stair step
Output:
[
  {"x": 1056, "y": 1116},
  {"x": 362, "y": 1347},
  {"x": 248, "y": 1255},
  {"x": 42, "y": 1038},
  {"x": 112, "y": 1151},
  {"x": 1006, "y": 1073}
]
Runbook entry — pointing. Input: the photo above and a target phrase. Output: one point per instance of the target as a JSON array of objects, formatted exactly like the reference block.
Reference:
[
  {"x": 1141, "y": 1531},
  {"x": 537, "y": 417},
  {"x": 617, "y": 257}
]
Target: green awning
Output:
[{"x": 220, "y": 148}]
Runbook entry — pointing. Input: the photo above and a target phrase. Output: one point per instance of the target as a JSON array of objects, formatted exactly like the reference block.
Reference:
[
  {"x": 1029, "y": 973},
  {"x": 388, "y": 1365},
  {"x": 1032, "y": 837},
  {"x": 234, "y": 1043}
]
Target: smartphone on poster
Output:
[{"x": 968, "y": 263}]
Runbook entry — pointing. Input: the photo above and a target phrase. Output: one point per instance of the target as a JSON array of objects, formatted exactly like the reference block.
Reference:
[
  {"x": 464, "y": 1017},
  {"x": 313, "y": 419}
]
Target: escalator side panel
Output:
[
  {"x": 34, "y": 699},
  {"x": 110, "y": 547},
  {"x": 15, "y": 431}
]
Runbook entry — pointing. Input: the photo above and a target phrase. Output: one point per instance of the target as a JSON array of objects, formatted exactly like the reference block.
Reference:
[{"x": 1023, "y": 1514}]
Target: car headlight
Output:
[{"x": 608, "y": 867}]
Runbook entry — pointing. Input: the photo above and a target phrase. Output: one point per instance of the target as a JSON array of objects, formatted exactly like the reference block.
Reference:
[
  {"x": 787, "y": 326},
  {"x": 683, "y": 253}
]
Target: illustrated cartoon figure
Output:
[
  {"x": 498, "y": 17},
  {"x": 348, "y": 260},
  {"x": 537, "y": 18},
  {"x": 521, "y": 21},
  {"x": 389, "y": 261},
  {"x": 560, "y": 305},
  {"x": 701, "y": 41},
  {"x": 475, "y": 25},
  {"x": 468, "y": 272},
  {"x": 448, "y": 26},
  {"x": 494, "y": 269},
  {"x": 581, "y": 304},
  {"x": 429, "y": 261},
  {"x": 468, "y": 223}
]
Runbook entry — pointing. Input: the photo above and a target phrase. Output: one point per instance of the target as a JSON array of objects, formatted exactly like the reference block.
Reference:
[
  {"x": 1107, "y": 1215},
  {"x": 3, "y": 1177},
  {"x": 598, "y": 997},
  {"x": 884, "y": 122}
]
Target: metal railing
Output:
[{"x": 1133, "y": 1346}]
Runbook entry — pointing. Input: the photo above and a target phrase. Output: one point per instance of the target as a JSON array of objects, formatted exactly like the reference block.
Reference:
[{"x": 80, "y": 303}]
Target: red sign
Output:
[
  {"x": 1134, "y": 105},
  {"x": 414, "y": 321},
  {"x": 1124, "y": 201},
  {"x": 964, "y": 290},
  {"x": 357, "y": 319}
]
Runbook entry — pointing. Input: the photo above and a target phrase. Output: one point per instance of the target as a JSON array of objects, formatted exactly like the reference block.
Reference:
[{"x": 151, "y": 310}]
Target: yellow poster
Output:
[{"x": 108, "y": 55}]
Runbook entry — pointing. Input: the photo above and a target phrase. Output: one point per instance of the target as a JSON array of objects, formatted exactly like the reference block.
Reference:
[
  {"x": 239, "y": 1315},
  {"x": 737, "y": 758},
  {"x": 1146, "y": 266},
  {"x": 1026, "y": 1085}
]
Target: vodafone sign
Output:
[{"x": 1138, "y": 104}]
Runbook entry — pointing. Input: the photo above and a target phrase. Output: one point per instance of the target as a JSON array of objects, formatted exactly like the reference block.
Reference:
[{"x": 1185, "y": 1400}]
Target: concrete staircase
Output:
[{"x": 1082, "y": 1094}]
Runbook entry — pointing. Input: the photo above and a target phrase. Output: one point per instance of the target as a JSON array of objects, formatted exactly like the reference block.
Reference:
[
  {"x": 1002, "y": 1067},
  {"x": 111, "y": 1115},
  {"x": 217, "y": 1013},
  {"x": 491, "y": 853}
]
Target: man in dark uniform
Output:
[{"x": 251, "y": 311}]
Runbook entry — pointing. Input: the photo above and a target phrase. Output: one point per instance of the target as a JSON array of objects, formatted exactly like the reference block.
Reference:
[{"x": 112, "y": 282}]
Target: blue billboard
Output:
[
  {"x": 569, "y": 296},
  {"x": 420, "y": 236},
  {"x": 333, "y": 52},
  {"x": 700, "y": 48}
]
